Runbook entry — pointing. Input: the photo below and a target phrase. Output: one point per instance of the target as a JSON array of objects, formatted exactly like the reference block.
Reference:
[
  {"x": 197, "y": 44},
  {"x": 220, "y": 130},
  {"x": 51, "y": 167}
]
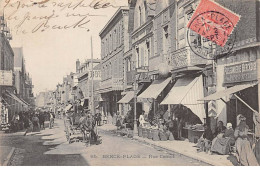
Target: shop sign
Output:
[
  {"x": 179, "y": 58},
  {"x": 96, "y": 75},
  {"x": 6, "y": 78},
  {"x": 240, "y": 72}
]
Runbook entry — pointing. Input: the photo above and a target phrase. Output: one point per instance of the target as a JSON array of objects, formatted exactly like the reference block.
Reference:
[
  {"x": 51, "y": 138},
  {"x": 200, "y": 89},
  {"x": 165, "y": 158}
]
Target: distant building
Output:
[{"x": 83, "y": 89}]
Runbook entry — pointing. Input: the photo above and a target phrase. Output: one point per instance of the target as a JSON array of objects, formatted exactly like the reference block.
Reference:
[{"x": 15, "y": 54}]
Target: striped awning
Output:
[
  {"x": 128, "y": 97},
  {"x": 187, "y": 91}
]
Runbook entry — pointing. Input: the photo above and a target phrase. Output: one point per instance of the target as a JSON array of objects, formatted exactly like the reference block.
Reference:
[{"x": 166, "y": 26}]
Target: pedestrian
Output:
[
  {"x": 42, "y": 120},
  {"x": 51, "y": 120},
  {"x": 256, "y": 119},
  {"x": 36, "y": 124},
  {"x": 205, "y": 141},
  {"x": 141, "y": 120},
  {"x": 99, "y": 119},
  {"x": 27, "y": 124},
  {"x": 246, "y": 155},
  {"x": 15, "y": 122}
]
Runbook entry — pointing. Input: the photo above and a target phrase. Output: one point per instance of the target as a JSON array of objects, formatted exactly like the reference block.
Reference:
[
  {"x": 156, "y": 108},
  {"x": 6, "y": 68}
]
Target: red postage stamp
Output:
[{"x": 213, "y": 22}]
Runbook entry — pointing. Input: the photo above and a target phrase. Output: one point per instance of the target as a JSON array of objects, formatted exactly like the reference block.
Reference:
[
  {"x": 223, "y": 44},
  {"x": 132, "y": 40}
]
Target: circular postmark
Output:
[{"x": 210, "y": 34}]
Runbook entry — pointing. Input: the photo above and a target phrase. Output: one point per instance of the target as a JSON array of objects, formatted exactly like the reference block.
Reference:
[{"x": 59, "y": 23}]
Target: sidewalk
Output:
[
  {"x": 184, "y": 148},
  {"x": 188, "y": 149},
  {"x": 5, "y": 155}
]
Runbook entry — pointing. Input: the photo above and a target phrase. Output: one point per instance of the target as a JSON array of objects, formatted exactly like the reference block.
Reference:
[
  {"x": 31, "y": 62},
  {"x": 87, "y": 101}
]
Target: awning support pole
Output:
[
  {"x": 244, "y": 103},
  {"x": 223, "y": 100}
]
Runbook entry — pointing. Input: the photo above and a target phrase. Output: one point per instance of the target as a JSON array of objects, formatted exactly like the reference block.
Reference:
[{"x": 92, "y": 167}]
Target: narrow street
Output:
[{"x": 50, "y": 148}]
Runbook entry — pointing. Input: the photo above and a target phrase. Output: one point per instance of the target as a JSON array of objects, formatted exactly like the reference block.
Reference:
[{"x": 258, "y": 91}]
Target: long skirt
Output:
[
  {"x": 245, "y": 153},
  {"x": 257, "y": 150},
  {"x": 222, "y": 145}
]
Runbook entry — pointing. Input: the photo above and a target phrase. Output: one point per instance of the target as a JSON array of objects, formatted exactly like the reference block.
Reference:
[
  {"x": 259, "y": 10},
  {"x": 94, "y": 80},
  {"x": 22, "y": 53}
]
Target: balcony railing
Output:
[{"x": 113, "y": 84}]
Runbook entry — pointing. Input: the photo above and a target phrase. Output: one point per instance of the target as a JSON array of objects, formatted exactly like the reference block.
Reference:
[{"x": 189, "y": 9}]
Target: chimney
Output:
[{"x": 77, "y": 66}]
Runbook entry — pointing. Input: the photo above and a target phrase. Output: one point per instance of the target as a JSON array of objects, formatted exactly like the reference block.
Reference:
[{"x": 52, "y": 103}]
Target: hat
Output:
[{"x": 229, "y": 125}]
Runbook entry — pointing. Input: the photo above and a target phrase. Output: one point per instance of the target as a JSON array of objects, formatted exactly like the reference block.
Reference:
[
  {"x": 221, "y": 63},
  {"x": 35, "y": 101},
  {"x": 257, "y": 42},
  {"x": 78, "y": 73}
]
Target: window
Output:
[
  {"x": 106, "y": 48},
  {"x": 140, "y": 16},
  {"x": 119, "y": 35},
  {"x": 147, "y": 54},
  {"x": 115, "y": 39},
  {"x": 128, "y": 64},
  {"x": 165, "y": 40},
  {"x": 110, "y": 43},
  {"x": 138, "y": 58}
]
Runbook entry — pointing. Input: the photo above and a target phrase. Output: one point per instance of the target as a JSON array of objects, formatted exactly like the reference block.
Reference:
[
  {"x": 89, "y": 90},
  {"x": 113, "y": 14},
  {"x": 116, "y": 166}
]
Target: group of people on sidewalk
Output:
[
  {"x": 226, "y": 139},
  {"x": 34, "y": 121}
]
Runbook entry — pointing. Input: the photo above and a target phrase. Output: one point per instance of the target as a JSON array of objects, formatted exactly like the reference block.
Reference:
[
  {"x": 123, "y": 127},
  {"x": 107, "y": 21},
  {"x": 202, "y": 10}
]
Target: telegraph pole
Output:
[{"x": 92, "y": 82}]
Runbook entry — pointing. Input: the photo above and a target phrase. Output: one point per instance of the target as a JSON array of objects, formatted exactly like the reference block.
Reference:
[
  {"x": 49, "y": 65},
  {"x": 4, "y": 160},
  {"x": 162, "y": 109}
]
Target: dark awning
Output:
[{"x": 155, "y": 88}]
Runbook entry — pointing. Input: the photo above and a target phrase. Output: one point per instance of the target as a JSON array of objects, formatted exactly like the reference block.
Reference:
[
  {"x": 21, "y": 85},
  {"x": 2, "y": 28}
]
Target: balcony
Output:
[
  {"x": 185, "y": 59},
  {"x": 141, "y": 74}
]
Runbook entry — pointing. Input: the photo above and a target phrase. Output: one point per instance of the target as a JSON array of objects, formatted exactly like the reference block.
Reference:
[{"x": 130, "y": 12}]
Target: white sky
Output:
[{"x": 51, "y": 54}]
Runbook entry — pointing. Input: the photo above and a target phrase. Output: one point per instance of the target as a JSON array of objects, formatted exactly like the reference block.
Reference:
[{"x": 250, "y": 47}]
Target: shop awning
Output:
[
  {"x": 128, "y": 97},
  {"x": 187, "y": 91},
  {"x": 227, "y": 92},
  {"x": 15, "y": 97},
  {"x": 155, "y": 88},
  {"x": 68, "y": 107},
  {"x": 25, "y": 102}
]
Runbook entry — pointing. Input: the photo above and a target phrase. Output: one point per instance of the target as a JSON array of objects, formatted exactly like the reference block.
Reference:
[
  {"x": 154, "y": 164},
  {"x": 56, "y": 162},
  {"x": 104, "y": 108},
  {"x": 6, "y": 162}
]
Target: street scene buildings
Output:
[
  {"x": 16, "y": 84},
  {"x": 150, "y": 86}
]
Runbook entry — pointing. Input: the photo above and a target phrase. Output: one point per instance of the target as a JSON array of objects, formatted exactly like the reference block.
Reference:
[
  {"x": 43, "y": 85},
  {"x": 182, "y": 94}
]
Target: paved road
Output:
[{"x": 49, "y": 147}]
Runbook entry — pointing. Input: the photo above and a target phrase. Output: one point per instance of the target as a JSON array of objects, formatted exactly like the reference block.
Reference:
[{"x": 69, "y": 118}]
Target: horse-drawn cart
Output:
[
  {"x": 72, "y": 129},
  {"x": 77, "y": 131}
]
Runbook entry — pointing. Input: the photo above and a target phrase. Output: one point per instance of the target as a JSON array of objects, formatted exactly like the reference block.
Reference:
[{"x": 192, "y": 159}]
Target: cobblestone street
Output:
[{"x": 49, "y": 147}]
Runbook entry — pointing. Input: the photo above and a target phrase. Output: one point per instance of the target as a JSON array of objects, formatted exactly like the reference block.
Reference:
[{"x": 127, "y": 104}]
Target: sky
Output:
[{"x": 55, "y": 33}]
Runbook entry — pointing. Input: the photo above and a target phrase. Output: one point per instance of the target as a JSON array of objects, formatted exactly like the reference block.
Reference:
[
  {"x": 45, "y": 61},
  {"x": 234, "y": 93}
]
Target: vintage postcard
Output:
[{"x": 129, "y": 82}]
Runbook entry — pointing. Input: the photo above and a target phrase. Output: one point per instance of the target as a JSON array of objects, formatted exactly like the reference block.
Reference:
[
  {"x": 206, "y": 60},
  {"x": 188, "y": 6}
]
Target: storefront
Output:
[
  {"x": 237, "y": 87},
  {"x": 153, "y": 96}
]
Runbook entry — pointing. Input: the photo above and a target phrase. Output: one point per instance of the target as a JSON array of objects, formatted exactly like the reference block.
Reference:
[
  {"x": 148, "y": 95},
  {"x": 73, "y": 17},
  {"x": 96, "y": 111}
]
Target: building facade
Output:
[{"x": 114, "y": 40}]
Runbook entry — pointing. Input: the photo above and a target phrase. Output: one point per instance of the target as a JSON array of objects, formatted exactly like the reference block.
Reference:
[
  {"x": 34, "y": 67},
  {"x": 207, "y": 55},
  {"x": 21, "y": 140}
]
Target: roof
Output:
[{"x": 112, "y": 19}]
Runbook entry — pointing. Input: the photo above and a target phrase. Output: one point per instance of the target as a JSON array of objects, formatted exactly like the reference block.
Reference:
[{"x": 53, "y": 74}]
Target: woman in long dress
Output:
[
  {"x": 222, "y": 142},
  {"x": 245, "y": 153},
  {"x": 256, "y": 118}
]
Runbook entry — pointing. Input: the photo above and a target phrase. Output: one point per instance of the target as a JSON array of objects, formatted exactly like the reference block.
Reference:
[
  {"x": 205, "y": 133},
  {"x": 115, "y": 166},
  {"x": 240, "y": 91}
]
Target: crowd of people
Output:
[
  {"x": 31, "y": 121},
  {"x": 226, "y": 139}
]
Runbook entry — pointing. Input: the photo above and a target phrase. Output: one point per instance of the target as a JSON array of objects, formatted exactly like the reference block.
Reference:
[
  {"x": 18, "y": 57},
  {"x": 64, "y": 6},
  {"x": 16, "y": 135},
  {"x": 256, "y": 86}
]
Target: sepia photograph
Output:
[{"x": 129, "y": 83}]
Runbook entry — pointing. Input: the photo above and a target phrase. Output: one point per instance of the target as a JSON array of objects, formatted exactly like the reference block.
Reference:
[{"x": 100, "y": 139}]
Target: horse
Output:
[{"x": 86, "y": 125}]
